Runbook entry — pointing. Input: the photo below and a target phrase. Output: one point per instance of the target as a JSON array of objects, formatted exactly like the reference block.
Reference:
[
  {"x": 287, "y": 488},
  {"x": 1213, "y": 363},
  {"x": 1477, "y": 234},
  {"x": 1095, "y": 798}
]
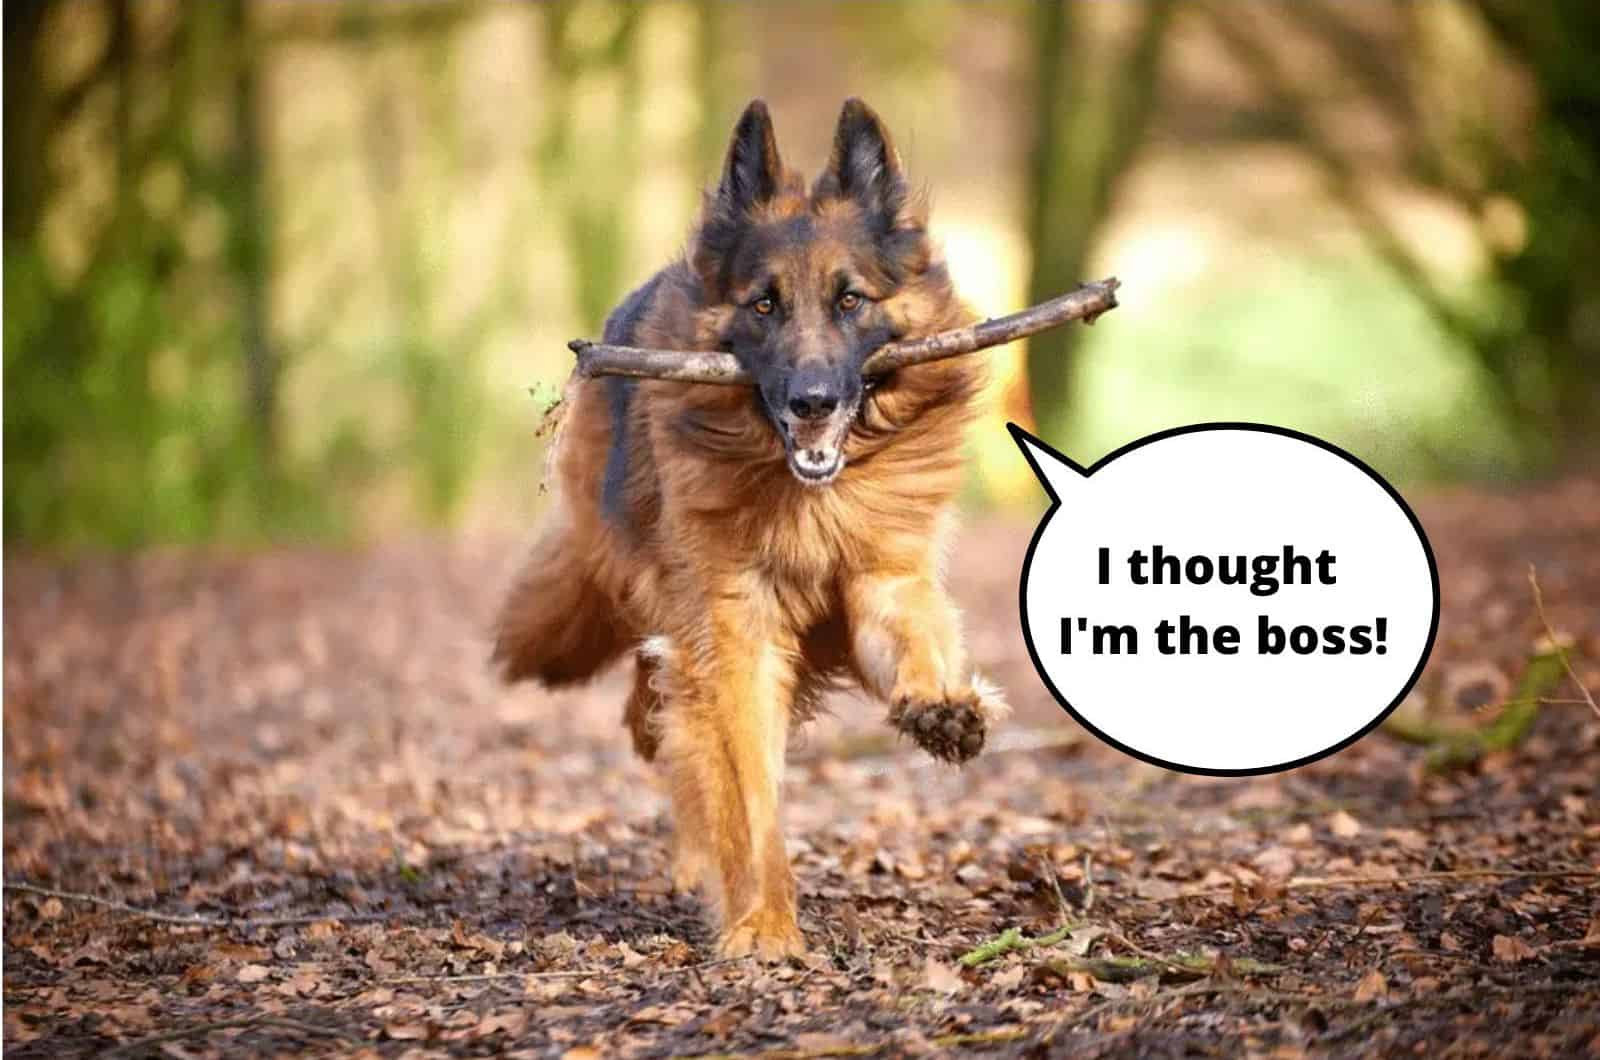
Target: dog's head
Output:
[{"x": 803, "y": 286}]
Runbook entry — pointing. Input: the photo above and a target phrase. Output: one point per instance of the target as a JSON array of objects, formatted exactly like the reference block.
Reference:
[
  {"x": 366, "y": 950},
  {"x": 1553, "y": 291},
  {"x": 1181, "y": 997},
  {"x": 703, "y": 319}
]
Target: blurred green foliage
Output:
[{"x": 287, "y": 269}]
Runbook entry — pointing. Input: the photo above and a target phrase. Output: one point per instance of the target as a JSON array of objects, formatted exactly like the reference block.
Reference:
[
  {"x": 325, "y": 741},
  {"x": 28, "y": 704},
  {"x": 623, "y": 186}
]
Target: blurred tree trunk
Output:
[
  {"x": 1535, "y": 333},
  {"x": 251, "y": 241},
  {"x": 1553, "y": 358},
  {"x": 711, "y": 77},
  {"x": 588, "y": 173},
  {"x": 27, "y": 120},
  {"x": 1090, "y": 117}
]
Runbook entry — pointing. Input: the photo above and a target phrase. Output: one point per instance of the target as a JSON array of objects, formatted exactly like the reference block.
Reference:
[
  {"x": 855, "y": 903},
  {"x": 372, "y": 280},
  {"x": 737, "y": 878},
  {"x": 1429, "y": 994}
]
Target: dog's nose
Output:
[{"x": 814, "y": 403}]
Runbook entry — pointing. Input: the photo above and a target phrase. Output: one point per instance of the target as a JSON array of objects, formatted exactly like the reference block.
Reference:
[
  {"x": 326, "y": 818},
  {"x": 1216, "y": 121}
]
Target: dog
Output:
[{"x": 753, "y": 547}]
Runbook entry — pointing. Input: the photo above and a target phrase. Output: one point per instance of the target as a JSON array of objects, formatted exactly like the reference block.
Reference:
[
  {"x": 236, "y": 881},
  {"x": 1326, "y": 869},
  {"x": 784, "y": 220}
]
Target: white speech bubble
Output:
[{"x": 1332, "y": 558}]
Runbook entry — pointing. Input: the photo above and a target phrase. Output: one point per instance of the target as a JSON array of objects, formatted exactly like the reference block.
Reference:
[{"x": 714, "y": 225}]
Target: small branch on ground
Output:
[
  {"x": 591, "y": 973},
  {"x": 1469, "y": 995},
  {"x": 1555, "y": 641},
  {"x": 1130, "y": 969},
  {"x": 1188, "y": 966},
  {"x": 1107, "y": 969},
  {"x": 1011, "y": 940},
  {"x": 1311, "y": 883},
  {"x": 1086, "y": 303},
  {"x": 1452, "y": 747},
  {"x": 200, "y": 1030},
  {"x": 194, "y": 919}
]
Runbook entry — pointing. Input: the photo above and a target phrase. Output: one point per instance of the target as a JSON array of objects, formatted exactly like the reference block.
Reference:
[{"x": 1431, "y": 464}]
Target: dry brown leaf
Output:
[
  {"x": 253, "y": 973},
  {"x": 235, "y": 951},
  {"x": 1343, "y": 825},
  {"x": 511, "y": 1021},
  {"x": 1275, "y": 861},
  {"x": 1011, "y": 978},
  {"x": 1510, "y": 950},
  {"x": 406, "y": 1031},
  {"x": 940, "y": 977},
  {"x": 1372, "y": 987},
  {"x": 821, "y": 1043}
]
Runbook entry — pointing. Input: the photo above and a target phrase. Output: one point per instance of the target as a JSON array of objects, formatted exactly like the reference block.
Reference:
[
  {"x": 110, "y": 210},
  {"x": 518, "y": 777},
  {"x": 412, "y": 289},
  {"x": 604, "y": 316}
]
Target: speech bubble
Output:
[{"x": 1226, "y": 599}]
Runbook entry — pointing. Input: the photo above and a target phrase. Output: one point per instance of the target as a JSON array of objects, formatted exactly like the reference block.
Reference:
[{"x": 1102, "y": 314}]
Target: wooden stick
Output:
[
  {"x": 1555, "y": 642},
  {"x": 1313, "y": 883},
  {"x": 231, "y": 920},
  {"x": 700, "y": 366}
]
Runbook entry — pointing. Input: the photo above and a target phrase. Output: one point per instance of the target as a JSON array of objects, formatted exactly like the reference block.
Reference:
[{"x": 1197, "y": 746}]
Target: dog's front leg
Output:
[
  {"x": 724, "y": 734},
  {"x": 906, "y": 639}
]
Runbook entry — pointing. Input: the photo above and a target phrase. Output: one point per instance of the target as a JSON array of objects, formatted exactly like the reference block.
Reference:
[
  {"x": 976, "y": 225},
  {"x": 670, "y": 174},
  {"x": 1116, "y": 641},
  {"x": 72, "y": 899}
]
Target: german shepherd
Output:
[{"x": 751, "y": 548}]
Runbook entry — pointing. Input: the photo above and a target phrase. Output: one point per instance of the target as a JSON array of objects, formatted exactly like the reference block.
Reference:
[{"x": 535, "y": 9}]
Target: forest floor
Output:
[{"x": 312, "y": 823}]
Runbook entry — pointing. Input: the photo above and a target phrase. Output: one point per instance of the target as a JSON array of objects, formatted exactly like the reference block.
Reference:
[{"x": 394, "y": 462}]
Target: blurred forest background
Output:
[{"x": 286, "y": 269}]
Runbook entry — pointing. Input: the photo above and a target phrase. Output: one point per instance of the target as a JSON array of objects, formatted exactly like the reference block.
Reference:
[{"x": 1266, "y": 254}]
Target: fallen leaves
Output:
[
  {"x": 1343, "y": 825},
  {"x": 253, "y": 973},
  {"x": 329, "y": 741},
  {"x": 1508, "y": 949},
  {"x": 940, "y": 977},
  {"x": 1372, "y": 987}
]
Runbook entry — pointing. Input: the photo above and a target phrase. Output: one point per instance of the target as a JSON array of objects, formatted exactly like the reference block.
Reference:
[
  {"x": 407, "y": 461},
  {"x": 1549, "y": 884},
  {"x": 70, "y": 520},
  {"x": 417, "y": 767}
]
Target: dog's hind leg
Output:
[
  {"x": 642, "y": 716},
  {"x": 557, "y": 626}
]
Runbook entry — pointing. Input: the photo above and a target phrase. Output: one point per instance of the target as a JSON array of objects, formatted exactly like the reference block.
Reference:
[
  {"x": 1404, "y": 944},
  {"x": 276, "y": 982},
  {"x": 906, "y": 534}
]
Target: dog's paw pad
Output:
[{"x": 952, "y": 729}]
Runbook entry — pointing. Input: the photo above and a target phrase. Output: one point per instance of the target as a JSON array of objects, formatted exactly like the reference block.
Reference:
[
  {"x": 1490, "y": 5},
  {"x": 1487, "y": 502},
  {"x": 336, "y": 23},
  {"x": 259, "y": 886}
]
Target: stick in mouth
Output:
[{"x": 1086, "y": 303}]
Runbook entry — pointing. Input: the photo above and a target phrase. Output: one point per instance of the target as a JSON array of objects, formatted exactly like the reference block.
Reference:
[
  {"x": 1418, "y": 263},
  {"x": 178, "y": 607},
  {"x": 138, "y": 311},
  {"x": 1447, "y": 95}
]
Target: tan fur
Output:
[{"x": 744, "y": 593}]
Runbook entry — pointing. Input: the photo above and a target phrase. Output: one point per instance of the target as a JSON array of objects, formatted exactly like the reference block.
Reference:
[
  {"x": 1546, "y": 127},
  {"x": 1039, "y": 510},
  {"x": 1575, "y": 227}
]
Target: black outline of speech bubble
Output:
[{"x": 1018, "y": 435}]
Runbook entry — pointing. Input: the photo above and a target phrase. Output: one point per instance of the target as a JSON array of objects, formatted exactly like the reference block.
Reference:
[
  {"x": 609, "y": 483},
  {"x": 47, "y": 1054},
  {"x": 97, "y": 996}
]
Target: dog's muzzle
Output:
[{"x": 814, "y": 444}]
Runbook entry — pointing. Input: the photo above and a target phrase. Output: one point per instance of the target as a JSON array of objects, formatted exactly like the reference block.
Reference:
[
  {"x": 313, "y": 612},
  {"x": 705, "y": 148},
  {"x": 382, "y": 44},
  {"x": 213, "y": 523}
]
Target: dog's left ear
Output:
[{"x": 865, "y": 166}]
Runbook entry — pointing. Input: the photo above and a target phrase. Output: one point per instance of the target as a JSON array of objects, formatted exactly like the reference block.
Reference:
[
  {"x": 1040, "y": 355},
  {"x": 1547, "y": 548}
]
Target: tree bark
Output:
[{"x": 1084, "y": 142}]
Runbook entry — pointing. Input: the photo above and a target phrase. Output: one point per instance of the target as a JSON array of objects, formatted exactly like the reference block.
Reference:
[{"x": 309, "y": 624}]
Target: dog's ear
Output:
[
  {"x": 864, "y": 165},
  {"x": 753, "y": 172}
]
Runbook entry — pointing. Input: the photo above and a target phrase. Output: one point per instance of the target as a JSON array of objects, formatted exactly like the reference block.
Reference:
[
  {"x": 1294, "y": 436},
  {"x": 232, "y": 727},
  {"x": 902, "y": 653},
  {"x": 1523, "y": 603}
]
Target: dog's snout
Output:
[{"x": 814, "y": 402}]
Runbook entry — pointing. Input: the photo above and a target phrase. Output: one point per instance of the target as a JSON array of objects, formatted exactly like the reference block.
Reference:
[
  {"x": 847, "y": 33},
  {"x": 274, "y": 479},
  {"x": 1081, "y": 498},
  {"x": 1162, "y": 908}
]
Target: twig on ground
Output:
[
  {"x": 1011, "y": 940},
  {"x": 1086, "y": 303},
  {"x": 1190, "y": 968},
  {"x": 194, "y": 919},
  {"x": 1129, "y": 969},
  {"x": 1454, "y": 997},
  {"x": 489, "y": 977},
  {"x": 1307, "y": 883},
  {"x": 1555, "y": 643},
  {"x": 1313, "y": 883},
  {"x": 200, "y": 1030},
  {"x": 1453, "y": 746},
  {"x": 1055, "y": 887},
  {"x": 1467, "y": 995},
  {"x": 1176, "y": 993}
]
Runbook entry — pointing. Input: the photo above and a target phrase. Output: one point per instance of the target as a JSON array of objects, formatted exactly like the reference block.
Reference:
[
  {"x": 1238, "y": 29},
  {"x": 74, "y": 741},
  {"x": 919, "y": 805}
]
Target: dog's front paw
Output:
[
  {"x": 769, "y": 935},
  {"x": 951, "y": 728}
]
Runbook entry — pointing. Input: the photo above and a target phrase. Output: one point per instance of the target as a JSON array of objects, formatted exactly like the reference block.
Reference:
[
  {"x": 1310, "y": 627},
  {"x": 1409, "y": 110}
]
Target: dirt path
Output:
[{"x": 313, "y": 735}]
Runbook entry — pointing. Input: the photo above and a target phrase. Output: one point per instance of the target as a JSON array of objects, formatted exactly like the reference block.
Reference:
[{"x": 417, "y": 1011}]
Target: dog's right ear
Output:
[{"x": 753, "y": 172}]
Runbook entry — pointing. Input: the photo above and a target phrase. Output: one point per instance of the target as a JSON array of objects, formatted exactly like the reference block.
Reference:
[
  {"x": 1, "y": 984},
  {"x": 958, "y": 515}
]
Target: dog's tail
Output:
[{"x": 557, "y": 626}]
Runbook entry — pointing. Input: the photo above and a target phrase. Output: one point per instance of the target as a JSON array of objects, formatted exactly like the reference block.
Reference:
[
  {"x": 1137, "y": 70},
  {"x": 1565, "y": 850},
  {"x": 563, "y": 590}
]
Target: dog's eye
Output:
[
  {"x": 764, "y": 306},
  {"x": 849, "y": 302}
]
